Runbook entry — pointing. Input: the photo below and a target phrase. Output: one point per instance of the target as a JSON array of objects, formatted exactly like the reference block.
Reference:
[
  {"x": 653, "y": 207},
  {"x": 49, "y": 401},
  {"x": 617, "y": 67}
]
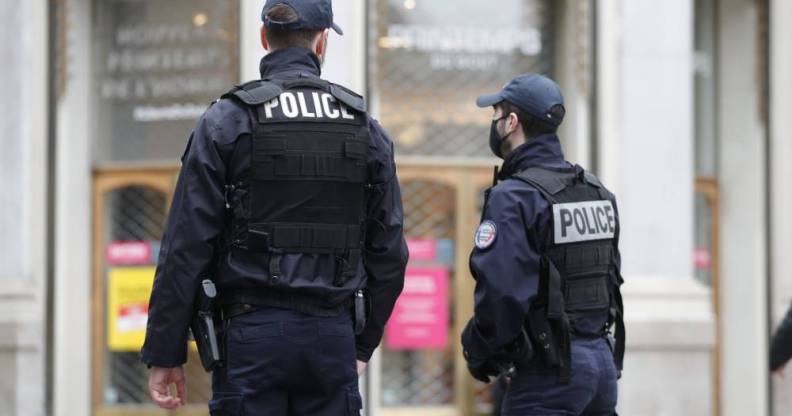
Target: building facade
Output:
[{"x": 681, "y": 107}]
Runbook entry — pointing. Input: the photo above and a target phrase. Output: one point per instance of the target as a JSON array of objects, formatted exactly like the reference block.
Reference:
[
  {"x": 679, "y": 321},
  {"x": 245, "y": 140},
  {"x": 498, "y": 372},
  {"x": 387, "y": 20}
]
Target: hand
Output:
[
  {"x": 160, "y": 380},
  {"x": 481, "y": 370},
  {"x": 361, "y": 367},
  {"x": 780, "y": 371}
]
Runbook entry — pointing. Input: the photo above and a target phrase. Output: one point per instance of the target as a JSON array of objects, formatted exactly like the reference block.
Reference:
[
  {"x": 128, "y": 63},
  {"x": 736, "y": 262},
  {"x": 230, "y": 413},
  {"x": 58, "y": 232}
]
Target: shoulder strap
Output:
[
  {"x": 348, "y": 97},
  {"x": 255, "y": 92},
  {"x": 261, "y": 91},
  {"x": 342, "y": 94},
  {"x": 549, "y": 183}
]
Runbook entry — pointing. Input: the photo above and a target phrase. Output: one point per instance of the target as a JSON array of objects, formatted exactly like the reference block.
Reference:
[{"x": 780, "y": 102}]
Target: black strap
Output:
[
  {"x": 310, "y": 166},
  {"x": 555, "y": 294},
  {"x": 617, "y": 311},
  {"x": 304, "y": 238},
  {"x": 349, "y": 98},
  {"x": 272, "y": 297},
  {"x": 274, "y": 267},
  {"x": 255, "y": 93},
  {"x": 559, "y": 320},
  {"x": 548, "y": 182}
]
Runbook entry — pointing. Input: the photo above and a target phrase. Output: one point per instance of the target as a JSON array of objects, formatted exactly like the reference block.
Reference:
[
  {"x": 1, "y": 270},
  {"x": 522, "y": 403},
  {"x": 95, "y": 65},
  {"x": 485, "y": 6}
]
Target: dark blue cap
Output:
[
  {"x": 535, "y": 94},
  {"x": 311, "y": 14}
]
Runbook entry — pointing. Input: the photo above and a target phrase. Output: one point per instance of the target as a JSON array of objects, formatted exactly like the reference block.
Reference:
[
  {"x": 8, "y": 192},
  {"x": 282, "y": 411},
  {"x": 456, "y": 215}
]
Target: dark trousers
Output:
[
  {"x": 285, "y": 363},
  {"x": 592, "y": 390}
]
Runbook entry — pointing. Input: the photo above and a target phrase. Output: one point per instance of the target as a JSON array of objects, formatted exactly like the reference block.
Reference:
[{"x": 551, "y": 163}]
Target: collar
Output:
[
  {"x": 544, "y": 150},
  {"x": 290, "y": 62}
]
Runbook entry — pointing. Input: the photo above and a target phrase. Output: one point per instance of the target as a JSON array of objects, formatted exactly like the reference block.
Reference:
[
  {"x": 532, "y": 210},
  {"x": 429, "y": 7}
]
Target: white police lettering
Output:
[
  {"x": 289, "y": 105},
  {"x": 583, "y": 221},
  {"x": 270, "y": 105},
  {"x": 345, "y": 113},
  {"x": 331, "y": 112},
  {"x": 303, "y": 104}
]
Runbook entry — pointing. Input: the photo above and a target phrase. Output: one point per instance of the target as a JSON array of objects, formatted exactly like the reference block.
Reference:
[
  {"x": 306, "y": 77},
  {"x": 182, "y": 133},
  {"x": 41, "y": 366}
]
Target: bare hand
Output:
[
  {"x": 361, "y": 367},
  {"x": 160, "y": 380},
  {"x": 780, "y": 371}
]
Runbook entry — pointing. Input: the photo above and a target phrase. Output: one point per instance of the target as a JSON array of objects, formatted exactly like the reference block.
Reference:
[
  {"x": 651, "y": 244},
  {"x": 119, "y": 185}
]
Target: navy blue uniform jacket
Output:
[
  {"x": 217, "y": 155},
  {"x": 507, "y": 272}
]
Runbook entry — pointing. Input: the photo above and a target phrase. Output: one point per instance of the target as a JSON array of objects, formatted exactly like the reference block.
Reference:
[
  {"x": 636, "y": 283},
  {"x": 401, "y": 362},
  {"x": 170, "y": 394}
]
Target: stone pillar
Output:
[
  {"x": 742, "y": 164},
  {"x": 23, "y": 173},
  {"x": 781, "y": 173},
  {"x": 73, "y": 223},
  {"x": 645, "y": 118}
]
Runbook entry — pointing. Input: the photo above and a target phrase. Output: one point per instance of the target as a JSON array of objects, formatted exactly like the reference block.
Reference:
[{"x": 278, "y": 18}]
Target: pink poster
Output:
[
  {"x": 420, "y": 318},
  {"x": 422, "y": 249},
  {"x": 129, "y": 253}
]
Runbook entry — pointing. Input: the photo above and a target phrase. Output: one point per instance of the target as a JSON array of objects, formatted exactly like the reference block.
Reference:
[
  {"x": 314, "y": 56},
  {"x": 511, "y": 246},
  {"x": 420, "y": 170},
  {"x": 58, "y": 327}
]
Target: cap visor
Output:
[
  {"x": 338, "y": 29},
  {"x": 488, "y": 100}
]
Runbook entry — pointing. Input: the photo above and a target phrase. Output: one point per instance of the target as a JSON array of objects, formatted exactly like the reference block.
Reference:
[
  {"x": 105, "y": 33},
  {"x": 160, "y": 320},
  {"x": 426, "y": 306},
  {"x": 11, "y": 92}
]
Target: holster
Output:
[
  {"x": 205, "y": 328},
  {"x": 360, "y": 306}
]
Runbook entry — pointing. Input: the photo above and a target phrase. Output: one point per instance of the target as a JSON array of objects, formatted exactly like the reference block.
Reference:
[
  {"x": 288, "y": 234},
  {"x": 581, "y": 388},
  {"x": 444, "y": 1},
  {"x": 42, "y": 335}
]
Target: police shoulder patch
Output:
[{"x": 486, "y": 234}]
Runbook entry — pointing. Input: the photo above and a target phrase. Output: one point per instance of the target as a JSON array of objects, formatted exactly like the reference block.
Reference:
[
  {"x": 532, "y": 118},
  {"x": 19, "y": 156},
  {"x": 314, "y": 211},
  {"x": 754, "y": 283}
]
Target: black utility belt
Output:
[{"x": 234, "y": 306}]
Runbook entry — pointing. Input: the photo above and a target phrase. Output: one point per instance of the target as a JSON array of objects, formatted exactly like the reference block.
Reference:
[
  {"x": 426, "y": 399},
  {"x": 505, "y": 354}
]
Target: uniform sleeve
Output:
[
  {"x": 781, "y": 345},
  {"x": 506, "y": 271},
  {"x": 386, "y": 251},
  {"x": 195, "y": 221}
]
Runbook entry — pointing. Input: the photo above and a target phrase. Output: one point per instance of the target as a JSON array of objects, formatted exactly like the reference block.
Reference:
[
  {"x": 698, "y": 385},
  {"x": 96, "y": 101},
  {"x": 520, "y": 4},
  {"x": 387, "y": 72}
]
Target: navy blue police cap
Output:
[
  {"x": 535, "y": 94},
  {"x": 311, "y": 14}
]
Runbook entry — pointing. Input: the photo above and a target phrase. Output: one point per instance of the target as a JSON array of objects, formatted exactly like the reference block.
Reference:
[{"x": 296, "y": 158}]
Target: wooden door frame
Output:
[
  {"x": 105, "y": 181},
  {"x": 708, "y": 188}
]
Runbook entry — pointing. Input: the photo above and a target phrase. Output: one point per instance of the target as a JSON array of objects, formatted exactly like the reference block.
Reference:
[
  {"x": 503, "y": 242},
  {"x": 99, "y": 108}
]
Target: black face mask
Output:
[{"x": 495, "y": 141}]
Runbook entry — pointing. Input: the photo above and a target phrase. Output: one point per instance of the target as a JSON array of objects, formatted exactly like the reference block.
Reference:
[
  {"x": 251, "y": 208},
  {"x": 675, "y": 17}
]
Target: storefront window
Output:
[
  {"x": 157, "y": 67},
  {"x": 706, "y": 199},
  {"x": 433, "y": 58},
  {"x": 429, "y": 60}
]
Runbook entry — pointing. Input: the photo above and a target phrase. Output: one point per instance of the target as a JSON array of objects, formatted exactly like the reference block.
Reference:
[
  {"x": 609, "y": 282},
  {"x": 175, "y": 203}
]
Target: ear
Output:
[
  {"x": 321, "y": 43},
  {"x": 264, "y": 41},
  {"x": 513, "y": 122}
]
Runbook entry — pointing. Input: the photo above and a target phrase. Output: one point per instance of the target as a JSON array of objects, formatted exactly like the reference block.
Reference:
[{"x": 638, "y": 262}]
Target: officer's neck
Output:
[
  {"x": 291, "y": 60},
  {"x": 544, "y": 150}
]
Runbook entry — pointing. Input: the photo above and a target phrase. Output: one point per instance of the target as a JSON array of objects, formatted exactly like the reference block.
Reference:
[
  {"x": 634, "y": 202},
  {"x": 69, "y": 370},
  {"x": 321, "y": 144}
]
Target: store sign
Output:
[
  {"x": 128, "y": 292},
  {"x": 422, "y": 249},
  {"x": 129, "y": 253},
  {"x": 158, "y": 66},
  {"x": 420, "y": 318}
]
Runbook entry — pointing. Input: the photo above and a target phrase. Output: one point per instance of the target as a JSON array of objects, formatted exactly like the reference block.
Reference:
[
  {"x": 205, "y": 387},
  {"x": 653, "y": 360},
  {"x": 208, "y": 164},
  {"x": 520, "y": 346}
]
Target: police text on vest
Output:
[
  {"x": 305, "y": 104},
  {"x": 583, "y": 221}
]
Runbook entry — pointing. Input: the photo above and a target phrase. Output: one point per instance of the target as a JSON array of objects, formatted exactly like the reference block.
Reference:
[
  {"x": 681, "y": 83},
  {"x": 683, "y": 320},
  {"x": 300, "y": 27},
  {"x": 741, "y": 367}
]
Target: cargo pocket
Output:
[
  {"x": 354, "y": 402},
  {"x": 226, "y": 405}
]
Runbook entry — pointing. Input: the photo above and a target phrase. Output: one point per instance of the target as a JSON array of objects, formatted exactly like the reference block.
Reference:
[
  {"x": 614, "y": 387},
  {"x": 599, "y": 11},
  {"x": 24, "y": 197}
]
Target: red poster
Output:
[{"x": 420, "y": 318}]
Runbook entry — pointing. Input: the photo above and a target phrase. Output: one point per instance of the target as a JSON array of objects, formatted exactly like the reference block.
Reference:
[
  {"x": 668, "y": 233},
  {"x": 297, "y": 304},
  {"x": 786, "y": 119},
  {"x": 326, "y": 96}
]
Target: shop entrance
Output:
[{"x": 415, "y": 375}]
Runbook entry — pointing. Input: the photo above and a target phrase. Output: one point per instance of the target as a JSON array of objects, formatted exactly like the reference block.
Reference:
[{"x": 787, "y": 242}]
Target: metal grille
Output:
[
  {"x": 138, "y": 214},
  {"x": 431, "y": 63},
  {"x": 424, "y": 377}
]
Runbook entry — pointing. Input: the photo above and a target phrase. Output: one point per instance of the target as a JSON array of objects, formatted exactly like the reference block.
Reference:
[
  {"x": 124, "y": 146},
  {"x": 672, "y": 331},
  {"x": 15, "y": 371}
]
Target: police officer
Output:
[
  {"x": 288, "y": 200},
  {"x": 546, "y": 264},
  {"x": 781, "y": 345}
]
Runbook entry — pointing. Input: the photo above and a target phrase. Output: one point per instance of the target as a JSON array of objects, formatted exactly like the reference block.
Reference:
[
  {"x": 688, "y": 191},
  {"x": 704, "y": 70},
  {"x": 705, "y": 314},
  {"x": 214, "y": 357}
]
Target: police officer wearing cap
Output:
[
  {"x": 548, "y": 310},
  {"x": 288, "y": 203}
]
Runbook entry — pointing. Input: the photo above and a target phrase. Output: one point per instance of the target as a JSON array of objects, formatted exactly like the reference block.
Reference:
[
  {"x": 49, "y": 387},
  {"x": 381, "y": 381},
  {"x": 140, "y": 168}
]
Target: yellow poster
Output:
[{"x": 128, "y": 294}]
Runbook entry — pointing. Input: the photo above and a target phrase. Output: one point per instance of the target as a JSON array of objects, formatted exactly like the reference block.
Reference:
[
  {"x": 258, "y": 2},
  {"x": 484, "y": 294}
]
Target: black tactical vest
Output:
[
  {"x": 308, "y": 177},
  {"x": 579, "y": 288}
]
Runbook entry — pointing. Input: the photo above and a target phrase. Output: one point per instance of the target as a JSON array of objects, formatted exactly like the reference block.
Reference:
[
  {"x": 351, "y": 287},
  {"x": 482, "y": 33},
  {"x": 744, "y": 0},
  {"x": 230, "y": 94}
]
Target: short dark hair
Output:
[
  {"x": 532, "y": 126},
  {"x": 280, "y": 38}
]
